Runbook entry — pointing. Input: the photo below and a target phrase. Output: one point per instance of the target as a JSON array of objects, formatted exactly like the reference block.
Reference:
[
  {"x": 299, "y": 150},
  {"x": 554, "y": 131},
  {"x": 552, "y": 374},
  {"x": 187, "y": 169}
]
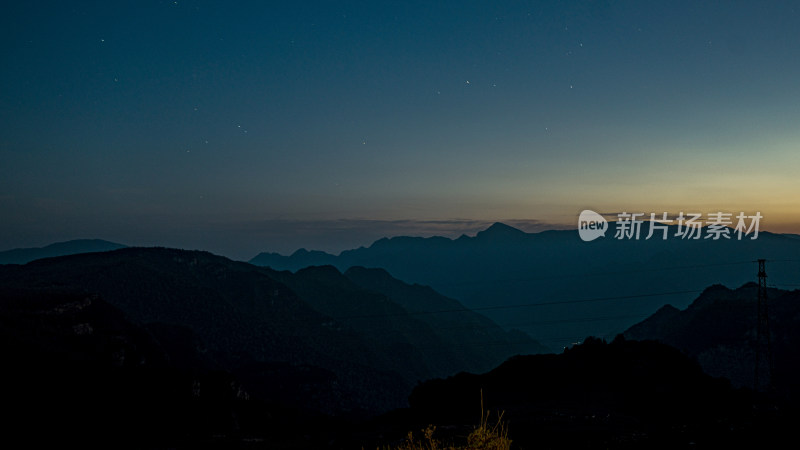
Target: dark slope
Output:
[
  {"x": 483, "y": 342},
  {"x": 25, "y": 255},
  {"x": 503, "y": 266},
  {"x": 77, "y": 373},
  {"x": 242, "y": 318},
  {"x": 626, "y": 394},
  {"x": 390, "y": 315},
  {"x": 69, "y": 359},
  {"x": 719, "y": 330},
  {"x": 315, "y": 339}
]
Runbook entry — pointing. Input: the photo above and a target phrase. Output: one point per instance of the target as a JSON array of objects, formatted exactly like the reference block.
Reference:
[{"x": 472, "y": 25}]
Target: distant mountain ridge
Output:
[
  {"x": 26, "y": 255},
  {"x": 502, "y": 268}
]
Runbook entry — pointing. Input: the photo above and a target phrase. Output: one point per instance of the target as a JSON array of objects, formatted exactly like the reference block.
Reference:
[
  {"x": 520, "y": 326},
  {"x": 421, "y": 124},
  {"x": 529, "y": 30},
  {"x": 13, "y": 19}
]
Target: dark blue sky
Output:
[{"x": 253, "y": 126}]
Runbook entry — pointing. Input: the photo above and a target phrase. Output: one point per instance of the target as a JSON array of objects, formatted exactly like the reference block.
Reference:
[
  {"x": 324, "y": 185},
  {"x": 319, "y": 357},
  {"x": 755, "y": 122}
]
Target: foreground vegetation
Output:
[{"x": 486, "y": 436}]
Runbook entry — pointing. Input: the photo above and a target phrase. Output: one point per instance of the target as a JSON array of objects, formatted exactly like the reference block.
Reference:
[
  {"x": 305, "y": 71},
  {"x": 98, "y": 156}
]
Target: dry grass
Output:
[{"x": 486, "y": 436}]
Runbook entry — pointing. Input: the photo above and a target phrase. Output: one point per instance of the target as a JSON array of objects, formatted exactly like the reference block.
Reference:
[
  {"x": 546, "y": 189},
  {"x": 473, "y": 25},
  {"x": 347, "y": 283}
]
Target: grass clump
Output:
[
  {"x": 486, "y": 436},
  {"x": 489, "y": 437}
]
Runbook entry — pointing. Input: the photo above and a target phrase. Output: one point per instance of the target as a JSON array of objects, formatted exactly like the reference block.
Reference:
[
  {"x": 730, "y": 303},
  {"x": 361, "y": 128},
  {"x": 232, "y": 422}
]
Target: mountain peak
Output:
[{"x": 500, "y": 230}]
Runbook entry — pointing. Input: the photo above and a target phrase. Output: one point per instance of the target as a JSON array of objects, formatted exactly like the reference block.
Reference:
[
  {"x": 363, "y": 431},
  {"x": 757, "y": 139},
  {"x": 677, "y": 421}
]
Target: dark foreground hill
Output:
[
  {"x": 625, "y": 394},
  {"x": 315, "y": 340},
  {"x": 719, "y": 330},
  {"x": 78, "y": 371}
]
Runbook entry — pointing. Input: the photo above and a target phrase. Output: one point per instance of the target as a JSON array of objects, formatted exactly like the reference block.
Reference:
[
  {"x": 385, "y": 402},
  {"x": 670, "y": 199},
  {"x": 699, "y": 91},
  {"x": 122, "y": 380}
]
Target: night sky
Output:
[{"x": 269, "y": 126}]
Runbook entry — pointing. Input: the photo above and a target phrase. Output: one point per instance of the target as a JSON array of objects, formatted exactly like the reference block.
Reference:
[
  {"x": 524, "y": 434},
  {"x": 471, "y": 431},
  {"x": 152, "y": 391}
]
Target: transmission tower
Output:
[{"x": 763, "y": 340}]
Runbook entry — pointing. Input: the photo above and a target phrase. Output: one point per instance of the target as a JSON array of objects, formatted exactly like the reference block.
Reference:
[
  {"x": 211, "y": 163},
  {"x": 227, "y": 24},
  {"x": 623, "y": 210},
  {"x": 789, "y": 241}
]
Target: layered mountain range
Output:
[
  {"x": 317, "y": 339},
  {"x": 556, "y": 287}
]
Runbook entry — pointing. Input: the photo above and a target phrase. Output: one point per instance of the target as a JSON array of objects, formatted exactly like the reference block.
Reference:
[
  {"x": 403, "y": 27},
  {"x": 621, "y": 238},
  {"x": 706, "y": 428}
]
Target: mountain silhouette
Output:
[
  {"x": 561, "y": 278},
  {"x": 623, "y": 394},
  {"x": 719, "y": 330},
  {"x": 240, "y": 316},
  {"x": 482, "y": 342},
  {"x": 314, "y": 339},
  {"x": 25, "y": 255},
  {"x": 165, "y": 348},
  {"x": 77, "y": 373},
  {"x": 500, "y": 232}
]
